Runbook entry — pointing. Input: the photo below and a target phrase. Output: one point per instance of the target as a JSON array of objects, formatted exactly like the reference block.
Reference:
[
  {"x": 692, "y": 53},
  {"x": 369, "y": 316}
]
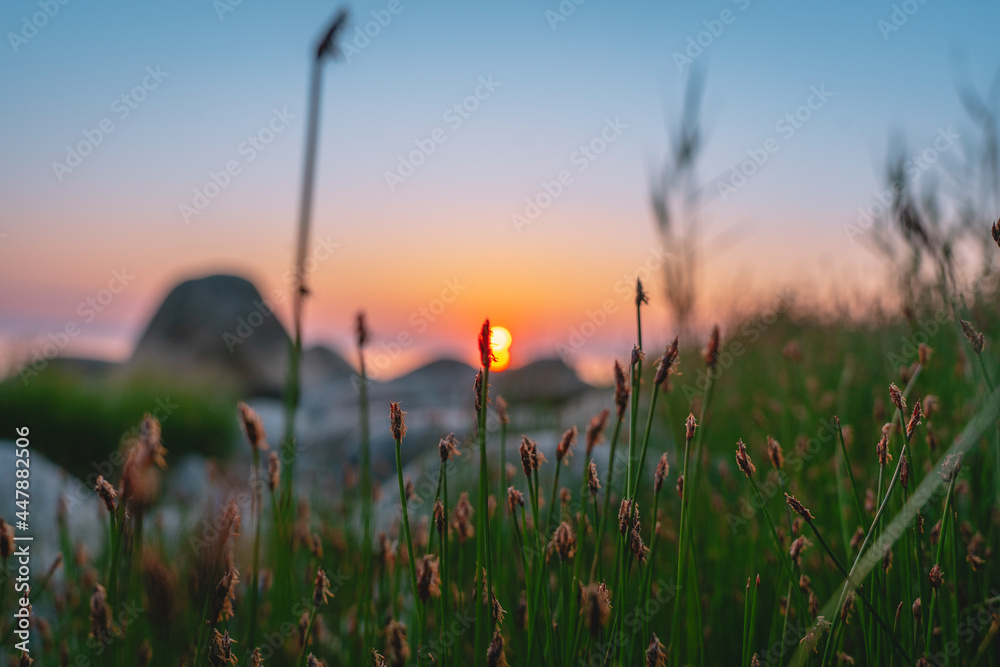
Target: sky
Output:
[{"x": 148, "y": 143}]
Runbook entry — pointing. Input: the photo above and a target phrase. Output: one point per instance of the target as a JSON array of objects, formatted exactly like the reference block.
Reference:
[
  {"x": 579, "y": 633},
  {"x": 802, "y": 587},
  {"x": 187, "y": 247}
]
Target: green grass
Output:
[{"x": 762, "y": 387}]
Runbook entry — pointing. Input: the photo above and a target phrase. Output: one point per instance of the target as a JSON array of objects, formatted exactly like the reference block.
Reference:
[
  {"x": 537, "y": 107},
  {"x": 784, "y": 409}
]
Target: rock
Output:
[
  {"x": 546, "y": 381},
  {"x": 220, "y": 328},
  {"x": 86, "y": 517}
]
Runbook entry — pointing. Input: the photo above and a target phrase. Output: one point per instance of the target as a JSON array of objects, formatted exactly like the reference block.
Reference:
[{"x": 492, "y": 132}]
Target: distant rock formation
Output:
[
  {"x": 220, "y": 328},
  {"x": 545, "y": 381}
]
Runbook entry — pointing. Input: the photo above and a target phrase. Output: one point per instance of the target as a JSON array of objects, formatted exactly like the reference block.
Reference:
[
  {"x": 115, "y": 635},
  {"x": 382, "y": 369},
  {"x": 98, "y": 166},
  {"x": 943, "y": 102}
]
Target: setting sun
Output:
[{"x": 500, "y": 340}]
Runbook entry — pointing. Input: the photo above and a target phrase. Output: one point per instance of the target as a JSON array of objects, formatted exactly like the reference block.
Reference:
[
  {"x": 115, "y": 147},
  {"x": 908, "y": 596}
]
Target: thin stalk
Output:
[
  {"x": 782, "y": 555},
  {"x": 367, "y": 499},
  {"x": 864, "y": 598},
  {"x": 607, "y": 497},
  {"x": 937, "y": 560},
  {"x": 683, "y": 546},
  {"x": 409, "y": 547},
  {"x": 255, "y": 560},
  {"x": 645, "y": 437}
]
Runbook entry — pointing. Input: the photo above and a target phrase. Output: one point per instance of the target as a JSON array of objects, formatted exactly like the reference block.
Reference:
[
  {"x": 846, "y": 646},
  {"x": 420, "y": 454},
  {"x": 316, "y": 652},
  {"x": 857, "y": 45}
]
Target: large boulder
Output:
[{"x": 217, "y": 328}]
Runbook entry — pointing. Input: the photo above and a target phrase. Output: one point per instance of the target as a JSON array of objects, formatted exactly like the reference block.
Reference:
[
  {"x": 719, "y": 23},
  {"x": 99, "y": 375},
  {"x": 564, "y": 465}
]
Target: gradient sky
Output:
[{"x": 450, "y": 223}]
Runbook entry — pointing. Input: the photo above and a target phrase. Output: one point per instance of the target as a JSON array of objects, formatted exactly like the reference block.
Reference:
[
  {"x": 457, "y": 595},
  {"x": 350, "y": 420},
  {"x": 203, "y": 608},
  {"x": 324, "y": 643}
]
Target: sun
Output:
[{"x": 500, "y": 340}]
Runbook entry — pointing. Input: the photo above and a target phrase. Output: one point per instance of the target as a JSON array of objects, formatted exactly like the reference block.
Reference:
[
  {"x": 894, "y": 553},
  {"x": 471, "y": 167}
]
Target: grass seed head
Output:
[
  {"x": 996, "y": 232},
  {"x": 637, "y": 356},
  {"x": 625, "y": 512},
  {"x": 936, "y": 576},
  {"x": 107, "y": 494},
  {"x": 360, "y": 329},
  {"x": 924, "y": 353},
  {"x": 897, "y": 397},
  {"x": 596, "y": 607},
  {"x": 565, "y": 447},
  {"x": 689, "y": 427},
  {"x": 950, "y": 467},
  {"x": 621, "y": 390},
  {"x": 656, "y": 655},
  {"x": 397, "y": 648},
  {"x": 531, "y": 458},
  {"x": 595, "y": 430},
  {"x": 100, "y": 618},
  {"x": 485, "y": 350},
  {"x": 798, "y": 546},
  {"x": 798, "y": 508},
  {"x": 273, "y": 471},
  {"x": 428, "y": 578},
  {"x": 563, "y": 542},
  {"x": 220, "y": 651},
  {"x": 774, "y": 453},
  {"x": 439, "y": 519},
  {"x": 448, "y": 447},
  {"x": 914, "y": 420},
  {"x": 461, "y": 518},
  {"x": 313, "y": 661},
  {"x": 521, "y": 611},
  {"x": 916, "y": 610},
  {"x": 253, "y": 427},
  {"x": 667, "y": 362},
  {"x": 882, "y": 450},
  {"x": 378, "y": 660},
  {"x": 848, "y": 607},
  {"x": 662, "y": 470},
  {"x": 680, "y": 486},
  {"x": 494, "y": 654},
  {"x": 321, "y": 588},
  {"x": 972, "y": 552},
  {"x": 225, "y": 593},
  {"x": 976, "y": 339},
  {"x": 904, "y": 472},
  {"x": 640, "y": 294},
  {"x": 887, "y": 560},
  {"x": 498, "y": 612},
  {"x": 515, "y": 499},
  {"x": 712, "y": 349},
  {"x": 501, "y": 406},
  {"x": 857, "y": 538},
  {"x": 743, "y": 460},
  {"x": 593, "y": 484},
  {"x": 397, "y": 427}
]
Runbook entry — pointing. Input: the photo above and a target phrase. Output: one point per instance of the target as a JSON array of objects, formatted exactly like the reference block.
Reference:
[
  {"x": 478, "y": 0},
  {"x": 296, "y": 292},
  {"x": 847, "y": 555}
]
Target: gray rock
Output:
[
  {"x": 86, "y": 516},
  {"x": 220, "y": 327}
]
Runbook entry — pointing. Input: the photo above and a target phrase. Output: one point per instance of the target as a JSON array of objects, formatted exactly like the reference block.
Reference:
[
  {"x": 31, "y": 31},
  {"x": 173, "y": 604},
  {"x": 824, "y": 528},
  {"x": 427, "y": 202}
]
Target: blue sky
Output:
[{"x": 226, "y": 73}]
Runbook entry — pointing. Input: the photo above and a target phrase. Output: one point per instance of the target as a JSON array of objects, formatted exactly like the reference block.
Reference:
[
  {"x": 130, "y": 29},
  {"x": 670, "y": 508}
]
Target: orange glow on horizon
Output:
[{"x": 500, "y": 340}]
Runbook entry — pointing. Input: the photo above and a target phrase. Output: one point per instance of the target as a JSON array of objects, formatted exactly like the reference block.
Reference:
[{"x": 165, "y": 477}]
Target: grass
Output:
[{"x": 542, "y": 572}]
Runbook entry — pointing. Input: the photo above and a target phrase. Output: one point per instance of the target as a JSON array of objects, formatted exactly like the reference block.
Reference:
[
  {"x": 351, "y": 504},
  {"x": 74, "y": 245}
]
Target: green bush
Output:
[{"x": 78, "y": 421}]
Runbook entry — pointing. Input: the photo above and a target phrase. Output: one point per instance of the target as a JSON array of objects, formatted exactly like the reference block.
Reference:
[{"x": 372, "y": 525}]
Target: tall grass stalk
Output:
[{"x": 398, "y": 430}]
